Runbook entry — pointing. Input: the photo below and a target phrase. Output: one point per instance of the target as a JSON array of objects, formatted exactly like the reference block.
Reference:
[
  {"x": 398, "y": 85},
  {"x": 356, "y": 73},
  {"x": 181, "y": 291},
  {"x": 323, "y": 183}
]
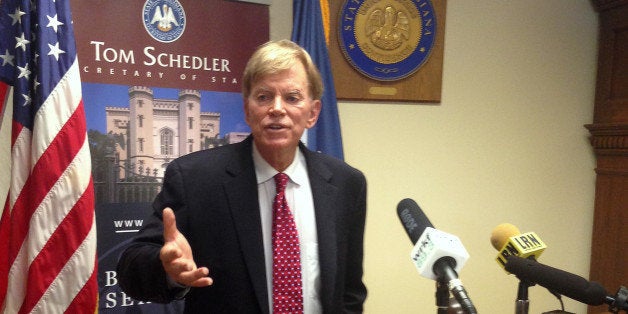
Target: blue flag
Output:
[{"x": 308, "y": 32}]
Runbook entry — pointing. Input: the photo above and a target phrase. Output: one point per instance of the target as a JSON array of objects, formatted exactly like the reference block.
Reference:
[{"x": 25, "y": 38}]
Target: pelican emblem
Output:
[
  {"x": 164, "y": 18},
  {"x": 388, "y": 29}
]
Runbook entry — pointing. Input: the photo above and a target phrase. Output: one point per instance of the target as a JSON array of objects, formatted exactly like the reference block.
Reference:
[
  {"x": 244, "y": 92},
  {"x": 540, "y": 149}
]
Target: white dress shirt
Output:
[{"x": 301, "y": 203}]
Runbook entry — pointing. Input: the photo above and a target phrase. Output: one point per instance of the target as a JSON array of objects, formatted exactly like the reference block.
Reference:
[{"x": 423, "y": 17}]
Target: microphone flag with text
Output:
[
  {"x": 509, "y": 241},
  {"x": 436, "y": 254}
]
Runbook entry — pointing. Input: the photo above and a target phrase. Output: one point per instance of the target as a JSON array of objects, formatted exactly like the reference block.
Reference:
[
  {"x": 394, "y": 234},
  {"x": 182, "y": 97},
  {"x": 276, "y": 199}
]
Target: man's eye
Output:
[
  {"x": 293, "y": 99},
  {"x": 262, "y": 97}
]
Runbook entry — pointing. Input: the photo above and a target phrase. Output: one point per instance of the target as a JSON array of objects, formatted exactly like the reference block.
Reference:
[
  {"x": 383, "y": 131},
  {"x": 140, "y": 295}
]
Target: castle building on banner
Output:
[{"x": 151, "y": 132}]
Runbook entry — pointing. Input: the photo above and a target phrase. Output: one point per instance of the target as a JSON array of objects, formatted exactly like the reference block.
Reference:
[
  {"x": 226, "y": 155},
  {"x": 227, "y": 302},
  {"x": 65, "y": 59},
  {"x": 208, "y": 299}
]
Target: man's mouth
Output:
[{"x": 275, "y": 127}]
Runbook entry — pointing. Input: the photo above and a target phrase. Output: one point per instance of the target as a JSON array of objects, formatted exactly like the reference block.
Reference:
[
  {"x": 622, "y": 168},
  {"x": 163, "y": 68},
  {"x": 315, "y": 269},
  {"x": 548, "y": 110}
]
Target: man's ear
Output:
[
  {"x": 314, "y": 113},
  {"x": 246, "y": 112}
]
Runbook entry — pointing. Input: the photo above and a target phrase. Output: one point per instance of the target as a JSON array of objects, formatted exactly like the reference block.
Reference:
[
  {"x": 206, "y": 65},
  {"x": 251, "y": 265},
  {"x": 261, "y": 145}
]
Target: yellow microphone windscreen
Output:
[{"x": 502, "y": 233}]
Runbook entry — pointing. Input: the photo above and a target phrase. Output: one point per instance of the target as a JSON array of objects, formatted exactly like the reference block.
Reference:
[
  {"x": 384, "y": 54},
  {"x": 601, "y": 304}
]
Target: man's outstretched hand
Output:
[{"x": 176, "y": 256}]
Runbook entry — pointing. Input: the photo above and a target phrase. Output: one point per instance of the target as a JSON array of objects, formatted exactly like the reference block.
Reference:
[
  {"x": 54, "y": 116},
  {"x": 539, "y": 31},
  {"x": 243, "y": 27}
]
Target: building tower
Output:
[
  {"x": 140, "y": 147},
  {"x": 189, "y": 121}
]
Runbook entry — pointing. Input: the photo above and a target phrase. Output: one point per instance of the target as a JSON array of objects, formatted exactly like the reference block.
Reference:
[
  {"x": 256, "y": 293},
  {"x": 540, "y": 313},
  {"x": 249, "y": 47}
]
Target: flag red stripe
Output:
[
  {"x": 16, "y": 128},
  {"x": 4, "y": 88},
  {"x": 49, "y": 167},
  {"x": 61, "y": 245}
]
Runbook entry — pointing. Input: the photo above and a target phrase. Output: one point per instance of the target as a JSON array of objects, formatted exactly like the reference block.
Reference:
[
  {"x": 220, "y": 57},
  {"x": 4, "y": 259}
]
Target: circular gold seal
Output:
[
  {"x": 387, "y": 40},
  {"x": 388, "y": 31}
]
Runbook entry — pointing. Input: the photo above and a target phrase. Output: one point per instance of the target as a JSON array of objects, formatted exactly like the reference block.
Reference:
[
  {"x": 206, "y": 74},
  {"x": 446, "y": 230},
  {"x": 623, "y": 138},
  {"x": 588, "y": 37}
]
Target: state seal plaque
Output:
[
  {"x": 395, "y": 46},
  {"x": 387, "y": 40}
]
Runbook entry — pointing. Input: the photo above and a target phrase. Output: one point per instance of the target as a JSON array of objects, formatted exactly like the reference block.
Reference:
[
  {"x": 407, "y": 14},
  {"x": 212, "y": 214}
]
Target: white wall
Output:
[{"x": 506, "y": 144}]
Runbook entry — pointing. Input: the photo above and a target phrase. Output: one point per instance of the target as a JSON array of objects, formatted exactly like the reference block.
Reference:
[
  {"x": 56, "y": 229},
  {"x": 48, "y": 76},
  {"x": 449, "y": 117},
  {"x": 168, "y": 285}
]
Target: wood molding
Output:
[{"x": 609, "y": 136}]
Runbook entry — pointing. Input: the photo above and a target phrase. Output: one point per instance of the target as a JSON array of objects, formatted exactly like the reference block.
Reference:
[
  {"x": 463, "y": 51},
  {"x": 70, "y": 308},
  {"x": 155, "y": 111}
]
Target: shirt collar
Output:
[{"x": 297, "y": 170}]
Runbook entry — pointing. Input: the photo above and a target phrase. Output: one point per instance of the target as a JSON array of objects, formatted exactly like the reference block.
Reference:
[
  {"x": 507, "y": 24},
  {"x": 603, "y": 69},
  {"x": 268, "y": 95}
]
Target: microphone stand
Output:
[
  {"x": 523, "y": 303},
  {"x": 442, "y": 297},
  {"x": 619, "y": 302}
]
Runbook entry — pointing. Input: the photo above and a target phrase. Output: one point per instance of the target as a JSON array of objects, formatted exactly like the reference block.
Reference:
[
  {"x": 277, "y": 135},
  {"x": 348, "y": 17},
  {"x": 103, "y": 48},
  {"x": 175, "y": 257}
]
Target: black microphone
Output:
[
  {"x": 559, "y": 281},
  {"x": 436, "y": 254},
  {"x": 413, "y": 219}
]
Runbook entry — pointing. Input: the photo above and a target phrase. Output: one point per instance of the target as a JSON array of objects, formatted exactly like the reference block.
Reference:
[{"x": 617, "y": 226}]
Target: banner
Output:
[{"x": 161, "y": 78}]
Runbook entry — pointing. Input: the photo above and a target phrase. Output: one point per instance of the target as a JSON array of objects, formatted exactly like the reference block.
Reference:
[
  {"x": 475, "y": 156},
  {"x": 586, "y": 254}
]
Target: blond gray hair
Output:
[{"x": 276, "y": 56}]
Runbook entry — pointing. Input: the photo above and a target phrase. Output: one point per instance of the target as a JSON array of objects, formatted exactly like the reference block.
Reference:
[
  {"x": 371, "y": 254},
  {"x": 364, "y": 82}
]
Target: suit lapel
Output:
[
  {"x": 244, "y": 205},
  {"x": 324, "y": 194}
]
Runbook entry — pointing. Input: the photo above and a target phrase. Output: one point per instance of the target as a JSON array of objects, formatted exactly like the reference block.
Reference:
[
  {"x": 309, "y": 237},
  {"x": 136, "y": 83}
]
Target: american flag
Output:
[{"x": 47, "y": 225}]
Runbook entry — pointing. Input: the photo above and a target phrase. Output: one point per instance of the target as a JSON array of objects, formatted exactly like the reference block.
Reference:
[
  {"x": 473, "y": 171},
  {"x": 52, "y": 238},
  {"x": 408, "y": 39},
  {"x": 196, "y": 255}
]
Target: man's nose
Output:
[{"x": 277, "y": 106}]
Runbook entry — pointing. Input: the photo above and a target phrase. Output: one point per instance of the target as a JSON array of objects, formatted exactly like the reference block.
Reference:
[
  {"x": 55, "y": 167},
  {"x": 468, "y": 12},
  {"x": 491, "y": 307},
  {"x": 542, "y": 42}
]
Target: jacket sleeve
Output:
[
  {"x": 355, "y": 289},
  {"x": 140, "y": 272}
]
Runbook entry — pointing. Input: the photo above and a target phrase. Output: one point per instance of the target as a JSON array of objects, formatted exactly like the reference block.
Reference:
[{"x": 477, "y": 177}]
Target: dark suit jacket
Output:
[{"x": 214, "y": 196}]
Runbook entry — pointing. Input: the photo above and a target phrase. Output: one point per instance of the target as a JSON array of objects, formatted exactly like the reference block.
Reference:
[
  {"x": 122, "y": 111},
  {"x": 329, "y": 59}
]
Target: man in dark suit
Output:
[{"x": 218, "y": 253}]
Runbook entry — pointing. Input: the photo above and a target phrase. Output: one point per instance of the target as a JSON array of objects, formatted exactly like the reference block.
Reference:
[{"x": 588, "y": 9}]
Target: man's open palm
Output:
[{"x": 176, "y": 256}]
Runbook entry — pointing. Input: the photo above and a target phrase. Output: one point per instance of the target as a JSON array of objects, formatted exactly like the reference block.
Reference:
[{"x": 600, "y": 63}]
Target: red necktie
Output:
[{"x": 287, "y": 290}]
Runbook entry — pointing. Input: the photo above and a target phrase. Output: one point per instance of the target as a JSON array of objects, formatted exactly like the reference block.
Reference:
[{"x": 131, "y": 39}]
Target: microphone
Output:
[
  {"x": 509, "y": 241},
  {"x": 559, "y": 281},
  {"x": 436, "y": 254}
]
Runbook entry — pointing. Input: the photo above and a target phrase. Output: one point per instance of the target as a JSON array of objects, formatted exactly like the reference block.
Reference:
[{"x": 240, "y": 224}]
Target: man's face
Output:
[{"x": 279, "y": 109}]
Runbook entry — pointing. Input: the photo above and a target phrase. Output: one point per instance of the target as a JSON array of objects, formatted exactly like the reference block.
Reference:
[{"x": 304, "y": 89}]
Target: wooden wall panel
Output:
[{"x": 609, "y": 139}]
